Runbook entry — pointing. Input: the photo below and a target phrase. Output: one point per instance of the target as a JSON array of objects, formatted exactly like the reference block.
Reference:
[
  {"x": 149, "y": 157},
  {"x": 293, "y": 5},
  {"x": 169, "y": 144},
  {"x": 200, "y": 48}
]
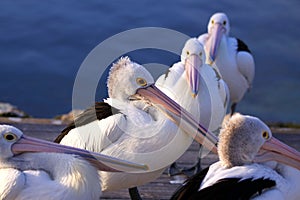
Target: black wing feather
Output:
[
  {"x": 241, "y": 46},
  {"x": 167, "y": 73},
  {"x": 190, "y": 186},
  {"x": 99, "y": 111},
  {"x": 231, "y": 189}
]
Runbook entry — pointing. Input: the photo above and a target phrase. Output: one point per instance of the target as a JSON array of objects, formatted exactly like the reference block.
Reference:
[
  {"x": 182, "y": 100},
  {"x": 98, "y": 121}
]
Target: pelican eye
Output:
[
  {"x": 265, "y": 135},
  {"x": 212, "y": 21},
  {"x": 200, "y": 54},
  {"x": 10, "y": 137},
  {"x": 141, "y": 81},
  {"x": 224, "y": 22},
  {"x": 187, "y": 53}
]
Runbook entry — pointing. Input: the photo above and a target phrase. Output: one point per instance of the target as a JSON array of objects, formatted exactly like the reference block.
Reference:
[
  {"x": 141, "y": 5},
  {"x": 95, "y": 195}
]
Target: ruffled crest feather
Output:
[{"x": 122, "y": 62}]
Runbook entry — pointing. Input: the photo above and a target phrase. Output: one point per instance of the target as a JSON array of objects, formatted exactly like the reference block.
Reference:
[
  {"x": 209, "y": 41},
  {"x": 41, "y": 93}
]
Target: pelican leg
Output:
[
  {"x": 232, "y": 109},
  {"x": 179, "y": 175},
  {"x": 176, "y": 174},
  {"x": 134, "y": 194},
  {"x": 174, "y": 170},
  {"x": 196, "y": 167}
]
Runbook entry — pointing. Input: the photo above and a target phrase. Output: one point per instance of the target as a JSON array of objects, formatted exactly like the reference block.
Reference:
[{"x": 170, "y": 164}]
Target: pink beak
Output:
[
  {"x": 101, "y": 162},
  {"x": 275, "y": 150},
  {"x": 192, "y": 68},
  {"x": 215, "y": 39}
]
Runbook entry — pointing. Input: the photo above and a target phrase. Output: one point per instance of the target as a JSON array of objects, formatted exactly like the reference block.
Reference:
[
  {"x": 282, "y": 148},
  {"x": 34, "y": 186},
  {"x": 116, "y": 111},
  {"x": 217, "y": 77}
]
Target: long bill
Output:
[
  {"x": 275, "y": 150},
  {"x": 192, "y": 67},
  {"x": 101, "y": 162},
  {"x": 215, "y": 40},
  {"x": 180, "y": 116}
]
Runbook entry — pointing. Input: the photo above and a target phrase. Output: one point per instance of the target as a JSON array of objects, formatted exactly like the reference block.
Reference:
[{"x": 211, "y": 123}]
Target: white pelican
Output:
[
  {"x": 36, "y": 169},
  {"x": 128, "y": 126},
  {"x": 198, "y": 88},
  {"x": 230, "y": 56},
  {"x": 253, "y": 164}
]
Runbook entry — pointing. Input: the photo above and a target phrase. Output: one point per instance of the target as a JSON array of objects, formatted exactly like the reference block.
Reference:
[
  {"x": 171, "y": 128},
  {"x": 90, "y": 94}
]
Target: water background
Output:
[{"x": 43, "y": 43}]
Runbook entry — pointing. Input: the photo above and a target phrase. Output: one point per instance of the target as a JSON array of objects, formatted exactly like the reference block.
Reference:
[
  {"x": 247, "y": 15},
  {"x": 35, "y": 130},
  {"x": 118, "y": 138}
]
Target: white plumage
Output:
[{"x": 230, "y": 56}]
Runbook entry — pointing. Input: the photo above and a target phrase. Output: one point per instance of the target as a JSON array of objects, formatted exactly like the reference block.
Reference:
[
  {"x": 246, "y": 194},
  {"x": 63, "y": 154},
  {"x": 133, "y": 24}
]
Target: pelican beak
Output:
[
  {"x": 215, "y": 39},
  {"x": 179, "y": 116},
  {"x": 192, "y": 67},
  {"x": 275, "y": 150},
  {"x": 101, "y": 162}
]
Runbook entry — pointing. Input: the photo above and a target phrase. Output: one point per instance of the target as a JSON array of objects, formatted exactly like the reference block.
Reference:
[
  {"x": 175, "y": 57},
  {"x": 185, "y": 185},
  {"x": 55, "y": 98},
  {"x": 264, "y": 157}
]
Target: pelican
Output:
[
  {"x": 198, "y": 88},
  {"x": 138, "y": 123},
  {"x": 36, "y": 169},
  {"x": 253, "y": 165},
  {"x": 230, "y": 56}
]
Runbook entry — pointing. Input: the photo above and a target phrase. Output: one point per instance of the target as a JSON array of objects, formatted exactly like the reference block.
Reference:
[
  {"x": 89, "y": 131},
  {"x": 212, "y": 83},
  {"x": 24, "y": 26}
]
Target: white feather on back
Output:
[
  {"x": 217, "y": 171},
  {"x": 59, "y": 176}
]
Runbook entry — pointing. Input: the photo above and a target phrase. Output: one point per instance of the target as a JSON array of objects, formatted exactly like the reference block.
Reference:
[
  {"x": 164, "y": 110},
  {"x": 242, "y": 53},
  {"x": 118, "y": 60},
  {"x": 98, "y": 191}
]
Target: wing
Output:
[
  {"x": 94, "y": 129},
  {"x": 167, "y": 81},
  {"x": 245, "y": 61},
  {"x": 172, "y": 75},
  {"x": 225, "y": 188},
  {"x": 191, "y": 186},
  {"x": 234, "y": 189},
  {"x": 99, "y": 111},
  {"x": 229, "y": 188},
  {"x": 97, "y": 135},
  {"x": 224, "y": 92},
  {"x": 203, "y": 38}
]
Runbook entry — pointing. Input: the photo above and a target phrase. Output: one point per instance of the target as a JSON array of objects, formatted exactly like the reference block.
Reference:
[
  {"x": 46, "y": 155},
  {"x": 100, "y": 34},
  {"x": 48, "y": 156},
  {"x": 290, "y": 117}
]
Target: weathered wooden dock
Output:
[{"x": 48, "y": 129}]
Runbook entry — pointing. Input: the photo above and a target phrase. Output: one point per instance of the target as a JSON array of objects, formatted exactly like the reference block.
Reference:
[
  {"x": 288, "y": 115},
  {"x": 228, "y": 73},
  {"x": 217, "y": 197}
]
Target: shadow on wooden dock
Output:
[{"x": 48, "y": 129}]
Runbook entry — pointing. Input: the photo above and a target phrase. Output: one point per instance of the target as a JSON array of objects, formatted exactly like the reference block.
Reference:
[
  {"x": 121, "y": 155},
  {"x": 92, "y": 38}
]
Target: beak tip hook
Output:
[{"x": 194, "y": 94}]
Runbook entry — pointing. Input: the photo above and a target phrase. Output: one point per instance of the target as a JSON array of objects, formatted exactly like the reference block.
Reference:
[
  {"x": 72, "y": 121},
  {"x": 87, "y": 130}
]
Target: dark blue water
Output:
[{"x": 43, "y": 43}]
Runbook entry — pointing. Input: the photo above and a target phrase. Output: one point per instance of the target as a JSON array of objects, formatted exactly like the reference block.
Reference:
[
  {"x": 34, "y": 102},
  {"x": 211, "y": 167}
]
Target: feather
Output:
[{"x": 99, "y": 111}]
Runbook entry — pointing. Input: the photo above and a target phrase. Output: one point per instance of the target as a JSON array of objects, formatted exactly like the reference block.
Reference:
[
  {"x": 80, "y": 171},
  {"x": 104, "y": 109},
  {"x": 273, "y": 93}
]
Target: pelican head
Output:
[
  {"x": 125, "y": 78},
  {"x": 13, "y": 142},
  {"x": 218, "y": 26},
  {"x": 192, "y": 56},
  {"x": 246, "y": 139},
  {"x": 9, "y": 135}
]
